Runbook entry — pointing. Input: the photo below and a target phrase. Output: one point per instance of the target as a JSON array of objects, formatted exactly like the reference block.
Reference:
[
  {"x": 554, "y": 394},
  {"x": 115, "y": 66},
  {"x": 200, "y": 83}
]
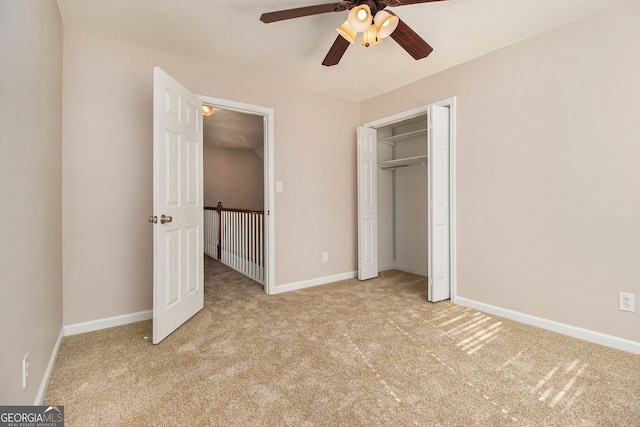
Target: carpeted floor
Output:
[{"x": 345, "y": 354}]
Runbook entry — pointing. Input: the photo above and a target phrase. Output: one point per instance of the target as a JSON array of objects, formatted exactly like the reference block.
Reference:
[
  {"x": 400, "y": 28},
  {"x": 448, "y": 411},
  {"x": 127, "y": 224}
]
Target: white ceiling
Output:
[{"x": 228, "y": 33}]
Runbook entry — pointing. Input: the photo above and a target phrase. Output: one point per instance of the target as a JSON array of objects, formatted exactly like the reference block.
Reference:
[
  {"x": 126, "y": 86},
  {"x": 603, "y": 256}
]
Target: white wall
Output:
[
  {"x": 30, "y": 190},
  {"x": 411, "y": 208},
  {"x": 385, "y": 204},
  {"x": 548, "y": 212},
  {"x": 107, "y": 180}
]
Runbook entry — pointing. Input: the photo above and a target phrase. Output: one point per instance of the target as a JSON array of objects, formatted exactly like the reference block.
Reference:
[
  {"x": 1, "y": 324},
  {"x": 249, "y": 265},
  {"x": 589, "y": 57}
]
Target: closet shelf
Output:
[
  {"x": 398, "y": 163},
  {"x": 403, "y": 136}
]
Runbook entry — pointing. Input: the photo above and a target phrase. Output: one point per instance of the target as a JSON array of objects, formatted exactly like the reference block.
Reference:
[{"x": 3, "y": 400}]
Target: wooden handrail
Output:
[{"x": 220, "y": 209}]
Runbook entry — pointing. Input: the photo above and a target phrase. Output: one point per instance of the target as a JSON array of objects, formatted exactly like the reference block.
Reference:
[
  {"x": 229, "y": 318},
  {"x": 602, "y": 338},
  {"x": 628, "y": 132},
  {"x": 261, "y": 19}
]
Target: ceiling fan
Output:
[{"x": 367, "y": 17}]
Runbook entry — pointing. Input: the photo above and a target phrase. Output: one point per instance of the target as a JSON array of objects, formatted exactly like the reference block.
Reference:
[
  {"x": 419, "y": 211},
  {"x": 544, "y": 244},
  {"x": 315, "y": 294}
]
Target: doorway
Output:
[
  {"x": 265, "y": 116},
  {"x": 233, "y": 171},
  {"x": 428, "y": 196},
  {"x": 403, "y": 196}
]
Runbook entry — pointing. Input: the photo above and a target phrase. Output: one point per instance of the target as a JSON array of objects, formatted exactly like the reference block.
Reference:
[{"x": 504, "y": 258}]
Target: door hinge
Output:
[{"x": 430, "y": 204}]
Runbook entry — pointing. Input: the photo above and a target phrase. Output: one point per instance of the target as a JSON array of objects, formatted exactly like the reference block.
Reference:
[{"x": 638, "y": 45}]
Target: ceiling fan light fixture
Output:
[
  {"x": 371, "y": 37},
  {"x": 386, "y": 23},
  {"x": 360, "y": 18},
  {"x": 347, "y": 32},
  {"x": 207, "y": 110}
]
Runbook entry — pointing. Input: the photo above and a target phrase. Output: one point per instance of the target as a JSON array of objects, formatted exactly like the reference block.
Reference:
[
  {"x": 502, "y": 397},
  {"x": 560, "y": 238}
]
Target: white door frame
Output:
[
  {"x": 451, "y": 103},
  {"x": 269, "y": 205}
]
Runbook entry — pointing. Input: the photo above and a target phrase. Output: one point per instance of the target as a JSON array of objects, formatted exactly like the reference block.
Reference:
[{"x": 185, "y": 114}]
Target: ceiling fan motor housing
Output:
[{"x": 375, "y": 6}]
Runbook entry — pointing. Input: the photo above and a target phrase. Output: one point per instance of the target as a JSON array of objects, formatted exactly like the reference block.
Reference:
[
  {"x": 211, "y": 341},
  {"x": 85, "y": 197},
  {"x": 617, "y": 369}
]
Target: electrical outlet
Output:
[
  {"x": 626, "y": 302},
  {"x": 325, "y": 256},
  {"x": 25, "y": 370}
]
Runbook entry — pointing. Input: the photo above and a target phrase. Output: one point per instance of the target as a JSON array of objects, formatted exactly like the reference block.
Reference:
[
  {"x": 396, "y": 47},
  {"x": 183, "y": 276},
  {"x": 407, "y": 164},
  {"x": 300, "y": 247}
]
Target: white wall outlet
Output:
[
  {"x": 325, "y": 256},
  {"x": 25, "y": 370},
  {"x": 279, "y": 187},
  {"x": 626, "y": 302}
]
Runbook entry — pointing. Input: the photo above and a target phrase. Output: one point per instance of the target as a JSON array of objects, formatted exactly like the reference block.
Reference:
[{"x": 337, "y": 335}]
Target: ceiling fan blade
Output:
[
  {"x": 394, "y": 3},
  {"x": 338, "y": 49},
  {"x": 299, "y": 12},
  {"x": 410, "y": 41}
]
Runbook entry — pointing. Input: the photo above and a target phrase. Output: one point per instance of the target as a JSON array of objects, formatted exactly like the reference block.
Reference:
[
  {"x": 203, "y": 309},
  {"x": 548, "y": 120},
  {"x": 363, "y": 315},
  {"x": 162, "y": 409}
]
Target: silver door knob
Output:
[
  {"x": 164, "y": 219},
  {"x": 153, "y": 219}
]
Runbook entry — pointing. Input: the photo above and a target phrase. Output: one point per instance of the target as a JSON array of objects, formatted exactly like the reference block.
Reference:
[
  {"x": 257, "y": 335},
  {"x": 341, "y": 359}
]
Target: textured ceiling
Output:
[{"x": 229, "y": 34}]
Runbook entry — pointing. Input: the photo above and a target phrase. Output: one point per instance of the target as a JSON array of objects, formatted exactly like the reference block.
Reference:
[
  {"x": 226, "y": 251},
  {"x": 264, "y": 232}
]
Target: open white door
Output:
[
  {"x": 178, "y": 282},
  {"x": 367, "y": 203},
  {"x": 439, "y": 204}
]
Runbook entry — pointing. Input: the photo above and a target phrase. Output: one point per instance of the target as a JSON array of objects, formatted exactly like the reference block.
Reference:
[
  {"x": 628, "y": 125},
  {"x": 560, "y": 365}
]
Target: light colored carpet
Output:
[{"x": 345, "y": 354}]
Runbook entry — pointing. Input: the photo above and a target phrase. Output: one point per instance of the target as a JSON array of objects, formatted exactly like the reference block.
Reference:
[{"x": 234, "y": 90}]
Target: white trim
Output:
[
  {"x": 314, "y": 282},
  {"x": 453, "y": 259},
  {"x": 269, "y": 180},
  {"x": 451, "y": 103},
  {"x": 400, "y": 116},
  {"x": 410, "y": 270},
  {"x": 44, "y": 384},
  {"x": 109, "y": 322},
  {"x": 562, "y": 328}
]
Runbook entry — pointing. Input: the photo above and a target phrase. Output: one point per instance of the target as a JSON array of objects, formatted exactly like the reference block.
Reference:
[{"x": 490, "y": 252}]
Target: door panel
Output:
[
  {"x": 178, "y": 281},
  {"x": 439, "y": 248},
  {"x": 367, "y": 203},
  {"x": 193, "y": 160}
]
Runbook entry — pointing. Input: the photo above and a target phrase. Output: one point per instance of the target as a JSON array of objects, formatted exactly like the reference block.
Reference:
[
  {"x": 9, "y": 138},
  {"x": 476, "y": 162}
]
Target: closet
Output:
[{"x": 402, "y": 196}]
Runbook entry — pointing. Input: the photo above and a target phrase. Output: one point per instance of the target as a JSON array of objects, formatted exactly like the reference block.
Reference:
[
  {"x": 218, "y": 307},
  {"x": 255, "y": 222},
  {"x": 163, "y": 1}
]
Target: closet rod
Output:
[{"x": 402, "y": 166}]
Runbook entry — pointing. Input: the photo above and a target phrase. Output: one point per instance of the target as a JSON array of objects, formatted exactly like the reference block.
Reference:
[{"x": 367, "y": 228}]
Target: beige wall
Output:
[
  {"x": 107, "y": 180},
  {"x": 30, "y": 190},
  {"x": 548, "y": 211},
  {"x": 234, "y": 177}
]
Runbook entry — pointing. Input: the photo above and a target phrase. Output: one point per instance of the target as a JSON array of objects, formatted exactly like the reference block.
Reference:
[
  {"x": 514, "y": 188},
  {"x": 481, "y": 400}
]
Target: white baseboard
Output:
[
  {"x": 562, "y": 328},
  {"x": 79, "y": 328},
  {"x": 405, "y": 269},
  {"x": 411, "y": 270},
  {"x": 109, "y": 322},
  {"x": 47, "y": 373},
  {"x": 313, "y": 282}
]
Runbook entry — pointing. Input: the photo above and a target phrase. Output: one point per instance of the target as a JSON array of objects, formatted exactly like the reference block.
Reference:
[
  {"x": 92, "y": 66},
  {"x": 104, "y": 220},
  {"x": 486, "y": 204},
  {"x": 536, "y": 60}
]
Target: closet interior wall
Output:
[{"x": 403, "y": 205}]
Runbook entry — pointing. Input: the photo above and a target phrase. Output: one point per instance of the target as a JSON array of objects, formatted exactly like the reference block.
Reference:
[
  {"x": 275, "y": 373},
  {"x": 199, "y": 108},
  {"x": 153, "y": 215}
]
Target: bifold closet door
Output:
[
  {"x": 367, "y": 203},
  {"x": 439, "y": 205}
]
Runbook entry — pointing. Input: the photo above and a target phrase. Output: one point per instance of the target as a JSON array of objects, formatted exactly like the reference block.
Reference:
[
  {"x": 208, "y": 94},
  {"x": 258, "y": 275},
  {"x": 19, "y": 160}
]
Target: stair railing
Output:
[{"x": 235, "y": 237}]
